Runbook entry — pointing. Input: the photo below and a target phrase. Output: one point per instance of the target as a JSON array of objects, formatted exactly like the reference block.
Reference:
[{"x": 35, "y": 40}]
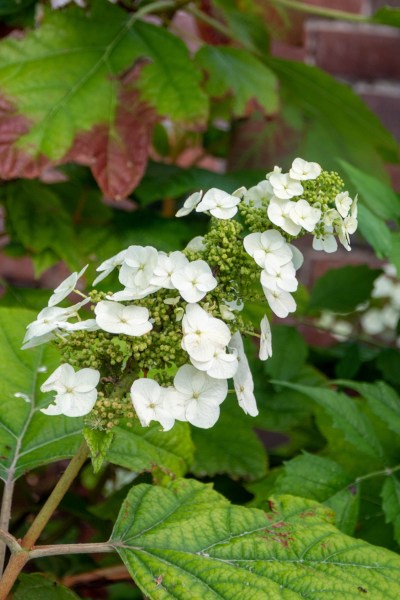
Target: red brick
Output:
[
  {"x": 384, "y": 100},
  {"x": 358, "y": 51}
]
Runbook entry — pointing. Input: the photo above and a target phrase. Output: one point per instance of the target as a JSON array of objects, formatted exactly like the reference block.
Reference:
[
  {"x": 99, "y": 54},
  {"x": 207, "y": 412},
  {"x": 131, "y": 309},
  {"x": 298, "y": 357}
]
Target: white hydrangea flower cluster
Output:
[{"x": 183, "y": 312}]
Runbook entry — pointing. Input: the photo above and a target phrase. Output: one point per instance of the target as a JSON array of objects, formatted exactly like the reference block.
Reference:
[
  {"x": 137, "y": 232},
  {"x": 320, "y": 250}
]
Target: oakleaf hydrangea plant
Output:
[{"x": 164, "y": 347}]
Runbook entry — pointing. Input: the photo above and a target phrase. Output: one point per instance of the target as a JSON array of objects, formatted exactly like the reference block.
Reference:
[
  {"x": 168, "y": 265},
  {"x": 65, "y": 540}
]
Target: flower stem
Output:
[
  {"x": 58, "y": 549},
  {"x": 387, "y": 472},
  {"x": 20, "y": 557}
]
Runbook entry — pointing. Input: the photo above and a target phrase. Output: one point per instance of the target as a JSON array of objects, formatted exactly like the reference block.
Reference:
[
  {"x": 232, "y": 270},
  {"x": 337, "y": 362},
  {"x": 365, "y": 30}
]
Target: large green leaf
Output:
[
  {"x": 28, "y": 437},
  {"x": 239, "y": 72},
  {"x": 387, "y": 16},
  {"x": 187, "y": 542},
  {"x": 231, "y": 446},
  {"x": 50, "y": 78},
  {"x": 382, "y": 399},
  {"x": 346, "y": 416},
  {"x": 342, "y": 290},
  {"x": 376, "y": 195},
  {"x": 376, "y": 232},
  {"x": 149, "y": 448}
]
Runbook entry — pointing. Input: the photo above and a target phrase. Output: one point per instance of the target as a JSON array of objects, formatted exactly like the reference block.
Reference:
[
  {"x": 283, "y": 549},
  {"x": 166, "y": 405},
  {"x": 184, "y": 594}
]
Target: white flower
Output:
[
  {"x": 279, "y": 213},
  {"x": 133, "y": 293},
  {"x": 194, "y": 281},
  {"x": 390, "y": 316},
  {"x": 276, "y": 277},
  {"x": 49, "y": 320},
  {"x": 284, "y": 187},
  {"x": 265, "y": 340},
  {"x": 117, "y": 318},
  {"x": 87, "y": 325},
  {"x": 395, "y": 295},
  {"x": 65, "y": 288},
  {"x": 189, "y": 204},
  {"x": 196, "y": 244},
  {"x": 302, "y": 213},
  {"x": 383, "y": 287},
  {"x": 55, "y": 4},
  {"x": 326, "y": 242},
  {"x": 203, "y": 334},
  {"x": 243, "y": 379},
  {"x": 109, "y": 265},
  {"x": 149, "y": 400},
  {"x": 220, "y": 204},
  {"x": 390, "y": 270},
  {"x": 221, "y": 366},
  {"x": 282, "y": 303},
  {"x": 76, "y": 392},
  {"x": 197, "y": 397},
  {"x": 269, "y": 247},
  {"x": 259, "y": 193},
  {"x": 303, "y": 170},
  {"x": 330, "y": 216},
  {"x": 166, "y": 266},
  {"x": 138, "y": 266},
  {"x": 345, "y": 229},
  {"x": 372, "y": 322},
  {"x": 343, "y": 203}
]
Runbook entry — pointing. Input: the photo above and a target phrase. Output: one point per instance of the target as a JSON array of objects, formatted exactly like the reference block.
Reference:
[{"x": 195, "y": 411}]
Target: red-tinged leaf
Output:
[
  {"x": 117, "y": 153},
  {"x": 15, "y": 161}
]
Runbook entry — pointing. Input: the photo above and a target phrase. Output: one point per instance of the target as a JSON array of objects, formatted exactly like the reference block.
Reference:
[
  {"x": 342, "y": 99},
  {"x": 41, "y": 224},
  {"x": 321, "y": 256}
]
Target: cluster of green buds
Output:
[{"x": 164, "y": 347}]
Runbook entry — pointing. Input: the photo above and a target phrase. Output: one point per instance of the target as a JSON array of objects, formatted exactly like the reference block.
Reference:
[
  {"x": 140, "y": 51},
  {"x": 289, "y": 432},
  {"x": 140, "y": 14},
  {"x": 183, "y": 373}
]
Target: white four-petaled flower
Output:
[
  {"x": 284, "y": 186},
  {"x": 190, "y": 204},
  {"x": 76, "y": 392},
  {"x": 149, "y": 400},
  {"x": 196, "y": 397},
  {"x": 203, "y": 334},
  {"x": 194, "y": 280},
  {"x": 265, "y": 339},
  {"x": 303, "y": 170},
  {"x": 220, "y": 204}
]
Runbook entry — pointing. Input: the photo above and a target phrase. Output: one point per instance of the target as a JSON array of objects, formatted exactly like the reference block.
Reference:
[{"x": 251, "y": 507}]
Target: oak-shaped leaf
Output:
[
  {"x": 187, "y": 542},
  {"x": 64, "y": 94}
]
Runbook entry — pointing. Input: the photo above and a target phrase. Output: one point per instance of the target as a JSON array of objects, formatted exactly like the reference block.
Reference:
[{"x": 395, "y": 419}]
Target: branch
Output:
[
  {"x": 319, "y": 11},
  {"x": 5, "y": 514},
  {"x": 10, "y": 541}
]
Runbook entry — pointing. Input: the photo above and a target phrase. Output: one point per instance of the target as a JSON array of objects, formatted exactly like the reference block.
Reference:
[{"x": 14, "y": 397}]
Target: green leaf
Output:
[
  {"x": 11, "y": 7},
  {"x": 391, "y": 504},
  {"x": 98, "y": 443},
  {"x": 375, "y": 194},
  {"x": 346, "y": 416},
  {"x": 36, "y": 586},
  {"x": 342, "y": 290},
  {"x": 289, "y": 353},
  {"x": 311, "y": 476},
  {"x": 28, "y": 437},
  {"x": 387, "y": 16},
  {"x": 388, "y": 364},
  {"x": 382, "y": 399},
  {"x": 38, "y": 220},
  {"x": 239, "y": 72},
  {"x": 346, "y": 506},
  {"x": 376, "y": 232},
  {"x": 186, "y": 541},
  {"x": 337, "y": 123},
  {"x": 231, "y": 446},
  {"x": 245, "y": 23},
  {"x": 149, "y": 448}
]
